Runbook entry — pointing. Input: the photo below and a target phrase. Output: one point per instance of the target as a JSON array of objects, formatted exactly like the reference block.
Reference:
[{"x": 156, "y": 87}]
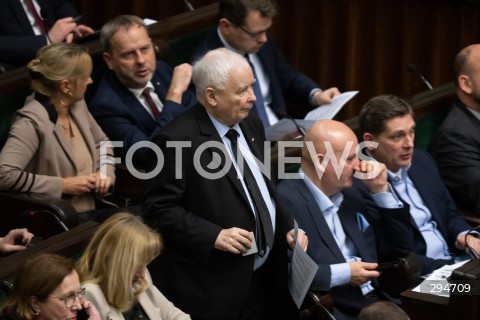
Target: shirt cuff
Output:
[
  {"x": 312, "y": 93},
  {"x": 341, "y": 274},
  {"x": 387, "y": 200}
]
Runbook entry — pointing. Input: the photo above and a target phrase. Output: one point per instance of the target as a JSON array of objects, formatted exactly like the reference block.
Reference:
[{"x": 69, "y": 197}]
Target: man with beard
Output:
[
  {"x": 138, "y": 95},
  {"x": 457, "y": 144}
]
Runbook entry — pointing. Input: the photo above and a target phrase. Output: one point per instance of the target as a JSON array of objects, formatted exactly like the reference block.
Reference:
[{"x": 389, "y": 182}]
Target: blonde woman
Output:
[
  {"x": 113, "y": 270},
  {"x": 54, "y": 143}
]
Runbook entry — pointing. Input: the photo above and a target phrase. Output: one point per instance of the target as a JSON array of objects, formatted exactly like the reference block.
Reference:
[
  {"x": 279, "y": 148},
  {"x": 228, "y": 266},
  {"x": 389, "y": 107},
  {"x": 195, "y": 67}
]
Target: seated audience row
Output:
[{"x": 115, "y": 282}]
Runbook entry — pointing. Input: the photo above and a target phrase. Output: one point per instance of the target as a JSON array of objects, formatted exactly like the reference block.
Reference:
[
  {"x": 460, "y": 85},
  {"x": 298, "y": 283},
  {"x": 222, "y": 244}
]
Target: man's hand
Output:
[
  {"x": 62, "y": 30},
  {"x": 234, "y": 240},
  {"x": 473, "y": 242},
  {"x": 182, "y": 75},
  {"x": 325, "y": 96},
  {"x": 302, "y": 239},
  {"x": 362, "y": 272},
  {"x": 374, "y": 175},
  {"x": 7, "y": 244}
]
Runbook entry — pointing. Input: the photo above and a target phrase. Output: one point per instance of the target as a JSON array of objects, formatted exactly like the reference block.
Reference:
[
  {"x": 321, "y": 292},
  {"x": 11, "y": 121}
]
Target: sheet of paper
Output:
[
  {"x": 286, "y": 129},
  {"x": 328, "y": 111},
  {"x": 148, "y": 21},
  {"x": 302, "y": 272},
  {"x": 253, "y": 249},
  {"x": 439, "y": 277}
]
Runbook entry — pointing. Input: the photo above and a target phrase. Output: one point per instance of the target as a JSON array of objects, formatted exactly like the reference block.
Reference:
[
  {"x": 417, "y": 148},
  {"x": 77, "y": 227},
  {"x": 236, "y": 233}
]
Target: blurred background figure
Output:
[
  {"x": 28, "y": 25},
  {"x": 47, "y": 287},
  {"x": 114, "y": 272}
]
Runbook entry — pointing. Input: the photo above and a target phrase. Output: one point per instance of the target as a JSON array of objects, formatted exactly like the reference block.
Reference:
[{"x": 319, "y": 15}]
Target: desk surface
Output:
[{"x": 68, "y": 243}]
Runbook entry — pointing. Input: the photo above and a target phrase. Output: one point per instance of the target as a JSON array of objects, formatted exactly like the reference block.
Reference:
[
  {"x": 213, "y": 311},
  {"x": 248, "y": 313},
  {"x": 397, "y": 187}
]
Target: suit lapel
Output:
[
  {"x": 21, "y": 16},
  {"x": 318, "y": 220},
  {"x": 348, "y": 217},
  {"x": 208, "y": 133},
  {"x": 134, "y": 107}
]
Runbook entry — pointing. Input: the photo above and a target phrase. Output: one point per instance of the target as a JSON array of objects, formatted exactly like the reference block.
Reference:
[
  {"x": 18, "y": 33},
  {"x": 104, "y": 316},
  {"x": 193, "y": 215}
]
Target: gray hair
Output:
[
  {"x": 212, "y": 70},
  {"x": 125, "y": 21}
]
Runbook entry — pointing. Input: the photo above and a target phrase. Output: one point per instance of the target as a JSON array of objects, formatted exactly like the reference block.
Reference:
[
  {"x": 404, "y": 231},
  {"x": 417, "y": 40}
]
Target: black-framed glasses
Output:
[
  {"x": 254, "y": 35},
  {"x": 71, "y": 298}
]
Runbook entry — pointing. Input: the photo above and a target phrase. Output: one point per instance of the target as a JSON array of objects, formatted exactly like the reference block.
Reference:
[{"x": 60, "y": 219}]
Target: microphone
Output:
[
  {"x": 413, "y": 69},
  {"x": 300, "y": 129},
  {"x": 189, "y": 5},
  {"x": 469, "y": 249}
]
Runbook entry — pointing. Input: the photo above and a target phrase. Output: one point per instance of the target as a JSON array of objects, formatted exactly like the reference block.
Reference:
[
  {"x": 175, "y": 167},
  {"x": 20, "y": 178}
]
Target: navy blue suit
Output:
[
  {"x": 401, "y": 230},
  {"x": 322, "y": 247},
  {"x": 122, "y": 116},
  {"x": 286, "y": 84},
  {"x": 457, "y": 152},
  {"x": 18, "y": 43}
]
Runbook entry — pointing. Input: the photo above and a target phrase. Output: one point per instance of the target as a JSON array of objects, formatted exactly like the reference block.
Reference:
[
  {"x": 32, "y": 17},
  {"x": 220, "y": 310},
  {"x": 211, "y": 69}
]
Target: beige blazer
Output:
[
  {"x": 153, "y": 302},
  {"x": 37, "y": 155}
]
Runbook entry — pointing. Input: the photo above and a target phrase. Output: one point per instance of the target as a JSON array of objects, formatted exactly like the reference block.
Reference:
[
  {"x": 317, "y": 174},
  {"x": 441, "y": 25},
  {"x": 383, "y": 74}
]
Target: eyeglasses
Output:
[
  {"x": 71, "y": 298},
  {"x": 254, "y": 35}
]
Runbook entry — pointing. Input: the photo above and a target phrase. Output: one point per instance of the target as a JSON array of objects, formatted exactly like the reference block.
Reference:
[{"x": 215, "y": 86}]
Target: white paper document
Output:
[
  {"x": 437, "y": 281},
  {"x": 301, "y": 274},
  {"x": 328, "y": 111},
  {"x": 286, "y": 129}
]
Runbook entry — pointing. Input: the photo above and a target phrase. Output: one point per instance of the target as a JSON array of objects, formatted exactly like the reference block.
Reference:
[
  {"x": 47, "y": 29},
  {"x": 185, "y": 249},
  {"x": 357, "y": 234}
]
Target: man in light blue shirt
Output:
[
  {"x": 433, "y": 228},
  {"x": 331, "y": 212}
]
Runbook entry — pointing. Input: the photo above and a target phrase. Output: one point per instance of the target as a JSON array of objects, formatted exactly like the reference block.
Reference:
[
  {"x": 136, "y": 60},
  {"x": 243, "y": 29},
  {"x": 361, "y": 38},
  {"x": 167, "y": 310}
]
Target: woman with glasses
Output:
[
  {"x": 47, "y": 287},
  {"x": 113, "y": 270}
]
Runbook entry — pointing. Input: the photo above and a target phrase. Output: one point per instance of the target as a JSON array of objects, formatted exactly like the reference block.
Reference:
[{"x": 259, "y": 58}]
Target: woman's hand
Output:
[
  {"x": 91, "y": 311},
  {"x": 102, "y": 184},
  {"x": 79, "y": 185}
]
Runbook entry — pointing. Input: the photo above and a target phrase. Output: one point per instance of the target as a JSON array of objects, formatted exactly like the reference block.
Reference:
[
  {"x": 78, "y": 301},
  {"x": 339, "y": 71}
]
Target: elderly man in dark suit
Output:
[
  {"x": 21, "y": 33},
  {"x": 139, "y": 94},
  {"x": 433, "y": 227},
  {"x": 457, "y": 145},
  {"x": 243, "y": 28},
  {"x": 332, "y": 212},
  {"x": 225, "y": 232}
]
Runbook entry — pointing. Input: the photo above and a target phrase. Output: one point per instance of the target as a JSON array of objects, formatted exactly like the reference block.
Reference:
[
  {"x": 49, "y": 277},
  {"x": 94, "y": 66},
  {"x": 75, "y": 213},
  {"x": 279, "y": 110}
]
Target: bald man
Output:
[
  {"x": 331, "y": 212},
  {"x": 457, "y": 145}
]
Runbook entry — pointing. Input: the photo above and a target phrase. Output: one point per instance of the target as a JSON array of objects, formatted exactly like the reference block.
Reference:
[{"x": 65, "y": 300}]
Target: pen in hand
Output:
[{"x": 77, "y": 18}]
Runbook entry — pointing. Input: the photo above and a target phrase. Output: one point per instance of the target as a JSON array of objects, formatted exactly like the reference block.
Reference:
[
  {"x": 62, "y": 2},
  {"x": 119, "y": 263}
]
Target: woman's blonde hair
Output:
[
  {"x": 121, "y": 245},
  {"x": 57, "y": 62}
]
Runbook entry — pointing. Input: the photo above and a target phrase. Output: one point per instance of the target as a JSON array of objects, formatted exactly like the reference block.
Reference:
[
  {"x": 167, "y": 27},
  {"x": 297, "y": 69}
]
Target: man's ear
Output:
[
  {"x": 224, "y": 25},
  {"x": 211, "y": 97},
  {"x": 318, "y": 162},
  {"x": 108, "y": 60},
  {"x": 367, "y": 136},
  {"x": 464, "y": 84}
]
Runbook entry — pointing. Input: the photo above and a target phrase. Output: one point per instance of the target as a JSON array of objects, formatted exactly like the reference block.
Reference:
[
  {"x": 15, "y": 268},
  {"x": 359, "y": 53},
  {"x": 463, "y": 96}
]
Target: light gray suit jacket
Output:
[
  {"x": 37, "y": 155},
  {"x": 153, "y": 302}
]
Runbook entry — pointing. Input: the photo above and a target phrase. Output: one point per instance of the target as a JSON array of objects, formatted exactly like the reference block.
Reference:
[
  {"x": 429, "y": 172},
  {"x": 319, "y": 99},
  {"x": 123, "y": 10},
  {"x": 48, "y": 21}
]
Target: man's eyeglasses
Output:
[
  {"x": 71, "y": 298},
  {"x": 254, "y": 35}
]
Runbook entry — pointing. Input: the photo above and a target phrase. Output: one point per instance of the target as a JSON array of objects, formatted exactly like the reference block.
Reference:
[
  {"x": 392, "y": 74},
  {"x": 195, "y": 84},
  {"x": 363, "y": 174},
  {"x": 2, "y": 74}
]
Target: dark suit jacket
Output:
[
  {"x": 18, "y": 43},
  {"x": 322, "y": 247},
  {"x": 124, "y": 118},
  {"x": 402, "y": 231},
  {"x": 286, "y": 84},
  {"x": 190, "y": 211},
  {"x": 457, "y": 152}
]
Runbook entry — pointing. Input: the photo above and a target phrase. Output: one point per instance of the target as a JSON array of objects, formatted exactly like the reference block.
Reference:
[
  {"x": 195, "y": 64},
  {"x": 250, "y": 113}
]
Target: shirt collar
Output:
[
  {"x": 325, "y": 203},
  {"x": 226, "y": 45},
  {"x": 221, "y": 128},
  {"x": 138, "y": 92}
]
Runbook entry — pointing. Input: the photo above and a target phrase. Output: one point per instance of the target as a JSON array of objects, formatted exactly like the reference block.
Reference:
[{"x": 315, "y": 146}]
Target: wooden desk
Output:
[
  {"x": 420, "y": 306},
  {"x": 68, "y": 243}
]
